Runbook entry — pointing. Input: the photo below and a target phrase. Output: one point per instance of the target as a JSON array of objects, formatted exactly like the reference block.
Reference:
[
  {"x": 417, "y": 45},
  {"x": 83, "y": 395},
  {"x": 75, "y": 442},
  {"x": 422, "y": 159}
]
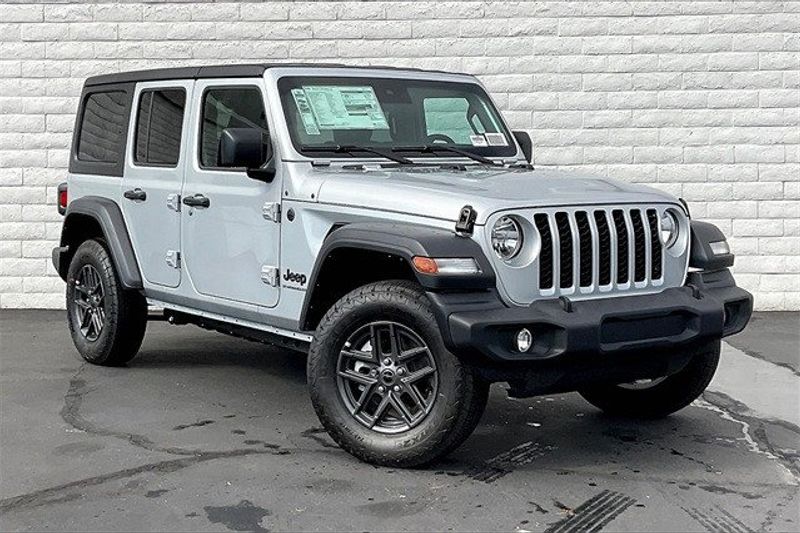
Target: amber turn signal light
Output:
[
  {"x": 446, "y": 266},
  {"x": 426, "y": 265}
]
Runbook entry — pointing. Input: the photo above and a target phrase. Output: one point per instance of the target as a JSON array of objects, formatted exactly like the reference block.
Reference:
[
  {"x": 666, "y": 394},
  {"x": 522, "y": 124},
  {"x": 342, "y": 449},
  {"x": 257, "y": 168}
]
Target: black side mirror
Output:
[
  {"x": 248, "y": 148},
  {"x": 525, "y": 143}
]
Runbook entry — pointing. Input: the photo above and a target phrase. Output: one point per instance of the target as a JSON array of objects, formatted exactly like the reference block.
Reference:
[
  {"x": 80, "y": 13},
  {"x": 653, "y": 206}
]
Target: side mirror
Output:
[
  {"x": 248, "y": 148},
  {"x": 525, "y": 143}
]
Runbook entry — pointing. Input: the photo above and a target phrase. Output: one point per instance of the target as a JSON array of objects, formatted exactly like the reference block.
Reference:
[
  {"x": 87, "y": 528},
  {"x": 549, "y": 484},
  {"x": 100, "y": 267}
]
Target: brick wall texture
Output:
[{"x": 701, "y": 99}]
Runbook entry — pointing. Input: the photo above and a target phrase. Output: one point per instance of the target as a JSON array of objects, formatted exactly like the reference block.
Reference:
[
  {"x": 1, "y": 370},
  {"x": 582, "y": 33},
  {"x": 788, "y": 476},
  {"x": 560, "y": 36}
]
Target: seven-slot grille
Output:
[{"x": 583, "y": 250}]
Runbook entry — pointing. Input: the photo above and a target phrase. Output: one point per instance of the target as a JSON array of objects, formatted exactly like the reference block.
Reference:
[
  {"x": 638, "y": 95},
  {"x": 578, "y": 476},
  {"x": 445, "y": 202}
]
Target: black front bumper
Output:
[{"x": 708, "y": 307}]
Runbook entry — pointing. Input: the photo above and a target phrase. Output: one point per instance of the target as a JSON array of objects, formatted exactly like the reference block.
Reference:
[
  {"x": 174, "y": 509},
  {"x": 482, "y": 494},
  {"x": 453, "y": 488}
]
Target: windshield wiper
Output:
[
  {"x": 349, "y": 149},
  {"x": 432, "y": 149}
]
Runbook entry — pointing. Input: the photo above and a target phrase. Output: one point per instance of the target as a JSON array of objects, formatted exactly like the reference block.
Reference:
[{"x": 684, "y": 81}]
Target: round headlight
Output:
[
  {"x": 669, "y": 228},
  {"x": 506, "y": 238}
]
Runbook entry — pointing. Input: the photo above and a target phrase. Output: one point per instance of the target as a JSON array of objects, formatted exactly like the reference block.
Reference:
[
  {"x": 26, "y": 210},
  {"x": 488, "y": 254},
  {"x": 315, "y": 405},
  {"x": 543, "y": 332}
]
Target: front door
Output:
[
  {"x": 230, "y": 238},
  {"x": 157, "y": 148}
]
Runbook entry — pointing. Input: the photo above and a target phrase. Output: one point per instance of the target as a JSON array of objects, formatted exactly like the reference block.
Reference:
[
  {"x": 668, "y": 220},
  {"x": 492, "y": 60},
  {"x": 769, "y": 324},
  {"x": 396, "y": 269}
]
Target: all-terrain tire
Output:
[
  {"x": 124, "y": 312},
  {"x": 458, "y": 405},
  {"x": 664, "y": 397}
]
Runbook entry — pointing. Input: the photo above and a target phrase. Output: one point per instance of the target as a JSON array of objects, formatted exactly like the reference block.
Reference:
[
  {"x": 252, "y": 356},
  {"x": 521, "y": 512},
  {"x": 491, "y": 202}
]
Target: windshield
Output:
[{"x": 391, "y": 115}]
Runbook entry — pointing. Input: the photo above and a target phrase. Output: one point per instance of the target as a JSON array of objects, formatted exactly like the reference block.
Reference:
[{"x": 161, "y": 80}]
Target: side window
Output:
[
  {"x": 229, "y": 107},
  {"x": 159, "y": 125},
  {"x": 103, "y": 127}
]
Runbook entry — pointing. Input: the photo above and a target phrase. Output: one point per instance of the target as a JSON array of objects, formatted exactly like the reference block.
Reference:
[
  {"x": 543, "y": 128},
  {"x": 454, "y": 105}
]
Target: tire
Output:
[
  {"x": 399, "y": 315},
  {"x": 665, "y": 395},
  {"x": 107, "y": 323}
]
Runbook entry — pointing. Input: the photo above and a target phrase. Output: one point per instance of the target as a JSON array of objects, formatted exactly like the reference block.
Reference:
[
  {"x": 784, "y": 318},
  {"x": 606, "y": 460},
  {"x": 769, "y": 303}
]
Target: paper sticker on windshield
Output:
[
  {"x": 496, "y": 139},
  {"x": 306, "y": 114},
  {"x": 339, "y": 107},
  {"x": 478, "y": 140}
]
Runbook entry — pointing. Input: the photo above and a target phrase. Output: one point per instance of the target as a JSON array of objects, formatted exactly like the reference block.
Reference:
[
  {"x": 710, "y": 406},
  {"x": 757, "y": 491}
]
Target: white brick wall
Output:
[{"x": 701, "y": 99}]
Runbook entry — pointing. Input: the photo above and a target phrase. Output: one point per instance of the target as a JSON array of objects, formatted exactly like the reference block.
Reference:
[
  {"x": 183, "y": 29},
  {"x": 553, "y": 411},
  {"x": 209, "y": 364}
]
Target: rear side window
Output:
[
  {"x": 103, "y": 128},
  {"x": 229, "y": 107},
  {"x": 159, "y": 125}
]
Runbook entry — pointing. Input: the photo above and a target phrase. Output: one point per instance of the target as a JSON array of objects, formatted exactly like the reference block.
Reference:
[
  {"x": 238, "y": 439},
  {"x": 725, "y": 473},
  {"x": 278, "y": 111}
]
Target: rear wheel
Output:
[
  {"x": 659, "y": 397},
  {"x": 107, "y": 322},
  {"x": 382, "y": 382}
]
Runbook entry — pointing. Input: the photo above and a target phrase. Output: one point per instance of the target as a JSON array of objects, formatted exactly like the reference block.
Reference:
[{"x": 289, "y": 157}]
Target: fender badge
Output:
[{"x": 466, "y": 220}]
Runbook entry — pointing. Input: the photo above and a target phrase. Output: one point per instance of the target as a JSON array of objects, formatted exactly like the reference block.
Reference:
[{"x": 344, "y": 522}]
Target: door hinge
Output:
[
  {"x": 269, "y": 275},
  {"x": 174, "y": 201},
  {"x": 271, "y": 211},
  {"x": 173, "y": 258}
]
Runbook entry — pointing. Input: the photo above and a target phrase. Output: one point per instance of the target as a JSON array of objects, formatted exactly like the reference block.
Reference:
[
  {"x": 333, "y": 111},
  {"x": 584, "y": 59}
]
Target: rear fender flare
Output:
[{"x": 108, "y": 216}]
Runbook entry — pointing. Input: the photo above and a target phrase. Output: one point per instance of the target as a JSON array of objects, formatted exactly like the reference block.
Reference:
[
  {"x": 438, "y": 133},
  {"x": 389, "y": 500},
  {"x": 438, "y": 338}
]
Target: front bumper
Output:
[{"x": 709, "y": 306}]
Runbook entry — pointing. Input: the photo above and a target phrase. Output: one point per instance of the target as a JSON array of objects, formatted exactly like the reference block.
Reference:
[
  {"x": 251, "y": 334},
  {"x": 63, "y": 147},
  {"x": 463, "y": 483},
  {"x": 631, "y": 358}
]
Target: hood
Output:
[{"x": 441, "y": 193}]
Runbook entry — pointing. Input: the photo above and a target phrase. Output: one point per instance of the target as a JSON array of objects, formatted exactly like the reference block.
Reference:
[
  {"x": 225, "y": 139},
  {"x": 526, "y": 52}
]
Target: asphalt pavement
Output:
[{"x": 202, "y": 432}]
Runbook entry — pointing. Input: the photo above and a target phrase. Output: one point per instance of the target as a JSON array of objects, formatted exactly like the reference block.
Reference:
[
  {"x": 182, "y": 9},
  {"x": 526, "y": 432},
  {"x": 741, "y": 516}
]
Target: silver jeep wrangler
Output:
[{"x": 388, "y": 223}]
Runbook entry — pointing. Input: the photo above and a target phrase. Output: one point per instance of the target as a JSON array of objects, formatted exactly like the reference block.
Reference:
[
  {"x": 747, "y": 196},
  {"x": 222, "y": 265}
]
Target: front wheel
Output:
[
  {"x": 382, "y": 382},
  {"x": 107, "y": 322},
  {"x": 659, "y": 397}
]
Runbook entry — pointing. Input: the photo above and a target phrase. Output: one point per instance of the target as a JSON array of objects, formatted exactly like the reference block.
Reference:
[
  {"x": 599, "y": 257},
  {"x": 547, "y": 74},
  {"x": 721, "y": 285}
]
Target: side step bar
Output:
[{"x": 245, "y": 329}]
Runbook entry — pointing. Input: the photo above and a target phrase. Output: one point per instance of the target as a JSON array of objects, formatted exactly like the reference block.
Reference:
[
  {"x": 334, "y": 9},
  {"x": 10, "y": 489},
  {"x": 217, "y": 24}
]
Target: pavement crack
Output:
[
  {"x": 64, "y": 492},
  {"x": 71, "y": 414},
  {"x": 754, "y": 430}
]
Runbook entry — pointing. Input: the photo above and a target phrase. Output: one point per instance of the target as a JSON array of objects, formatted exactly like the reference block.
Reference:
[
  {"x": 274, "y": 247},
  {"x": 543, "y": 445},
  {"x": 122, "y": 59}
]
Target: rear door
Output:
[
  {"x": 231, "y": 242},
  {"x": 151, "y": 186}
]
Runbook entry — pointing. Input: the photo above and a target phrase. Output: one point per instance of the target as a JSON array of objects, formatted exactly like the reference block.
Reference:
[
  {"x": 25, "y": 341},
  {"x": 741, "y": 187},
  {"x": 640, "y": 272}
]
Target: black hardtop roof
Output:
[{"x": 247, "y": 70}]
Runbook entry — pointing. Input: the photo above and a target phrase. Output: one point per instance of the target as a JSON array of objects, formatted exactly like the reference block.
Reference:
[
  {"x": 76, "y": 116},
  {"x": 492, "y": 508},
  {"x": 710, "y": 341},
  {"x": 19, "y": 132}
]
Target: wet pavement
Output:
[{"x": 205, "y": 432}]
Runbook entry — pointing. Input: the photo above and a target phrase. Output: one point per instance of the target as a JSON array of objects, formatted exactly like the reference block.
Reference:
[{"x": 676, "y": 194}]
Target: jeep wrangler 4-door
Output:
[{"x": 388, "y": 223}]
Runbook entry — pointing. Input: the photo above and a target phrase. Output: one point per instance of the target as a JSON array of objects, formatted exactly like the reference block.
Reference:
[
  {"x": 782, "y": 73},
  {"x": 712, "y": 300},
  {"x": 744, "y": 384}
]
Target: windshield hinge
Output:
[{"x": 466, "y": 221}]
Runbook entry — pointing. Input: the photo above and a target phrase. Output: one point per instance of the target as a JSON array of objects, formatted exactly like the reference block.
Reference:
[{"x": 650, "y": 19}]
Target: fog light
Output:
[{"x": 524, "y": 340}]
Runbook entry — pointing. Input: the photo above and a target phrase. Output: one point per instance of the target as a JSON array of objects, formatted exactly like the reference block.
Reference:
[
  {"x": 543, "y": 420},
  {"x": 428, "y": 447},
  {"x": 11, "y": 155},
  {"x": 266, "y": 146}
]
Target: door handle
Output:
[
  {"x": 198, "y": 200},
  {"x": 137, "y": 195}
]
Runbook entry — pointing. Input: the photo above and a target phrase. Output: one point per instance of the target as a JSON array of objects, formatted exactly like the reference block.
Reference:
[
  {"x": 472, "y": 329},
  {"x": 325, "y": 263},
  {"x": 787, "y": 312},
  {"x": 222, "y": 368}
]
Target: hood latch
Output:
[{"x": 466, "y": 221}]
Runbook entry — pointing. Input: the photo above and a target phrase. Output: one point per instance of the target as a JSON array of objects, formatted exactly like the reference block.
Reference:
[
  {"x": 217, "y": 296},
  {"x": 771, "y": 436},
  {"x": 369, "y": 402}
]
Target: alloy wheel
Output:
[
  {"x": 88, "y": 303},
  {"x": 387, "y": 377}
]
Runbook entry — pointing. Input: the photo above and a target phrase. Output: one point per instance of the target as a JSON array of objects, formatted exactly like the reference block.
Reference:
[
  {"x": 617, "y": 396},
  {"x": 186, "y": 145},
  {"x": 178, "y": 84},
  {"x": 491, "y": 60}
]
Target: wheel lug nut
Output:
[
  {"x": 373, "y": 372},
  {"x": 387, "y": 361},
  {"x": 381, "y": 389},
  {"x": 401, "y": 371},
  {"x": 396, "y": 388}
]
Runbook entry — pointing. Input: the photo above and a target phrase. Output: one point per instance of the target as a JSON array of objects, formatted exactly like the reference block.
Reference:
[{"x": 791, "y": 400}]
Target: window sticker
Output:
[
  {"x": 306, "y": 114},
  {"x": 339, "y": 108},
  {"x": 478, "y": 140},
  {"x": 496, "y": 139}
]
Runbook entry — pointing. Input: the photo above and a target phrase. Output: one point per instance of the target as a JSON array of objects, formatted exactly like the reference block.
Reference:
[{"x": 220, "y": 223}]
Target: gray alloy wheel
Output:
[
  {"x": 387, "y": 377},
  {"x": 88, "y": 303}
]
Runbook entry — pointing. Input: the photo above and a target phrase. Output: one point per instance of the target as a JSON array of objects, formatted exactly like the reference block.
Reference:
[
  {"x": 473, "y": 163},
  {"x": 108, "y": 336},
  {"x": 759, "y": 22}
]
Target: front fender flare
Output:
[
  {"x": 701, "y": 256},
  {"x": 406, "y": 241}
]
